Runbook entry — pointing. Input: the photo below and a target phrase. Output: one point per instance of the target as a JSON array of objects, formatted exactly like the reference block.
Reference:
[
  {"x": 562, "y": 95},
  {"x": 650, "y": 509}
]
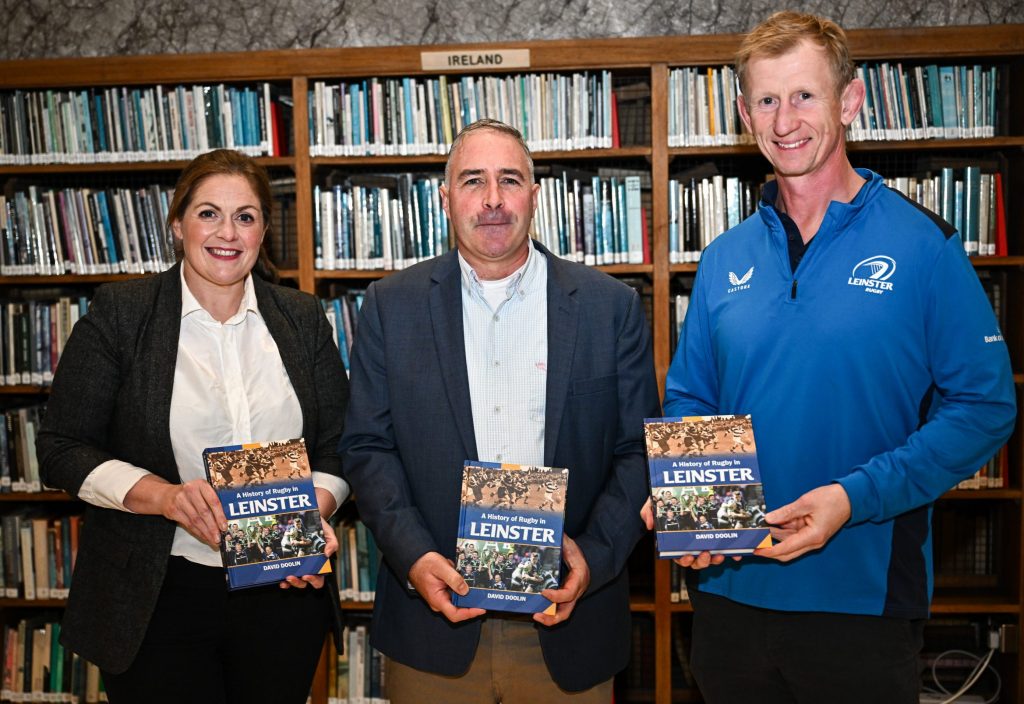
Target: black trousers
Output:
[
  {"x": 742, "y": 653},
  {"x": 209, "y": 646}
]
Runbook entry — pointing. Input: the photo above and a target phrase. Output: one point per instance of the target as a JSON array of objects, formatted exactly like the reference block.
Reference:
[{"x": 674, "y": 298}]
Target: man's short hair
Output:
[
  {"x": 783, "y": 31},
  {"x": 488, "y": 124}
]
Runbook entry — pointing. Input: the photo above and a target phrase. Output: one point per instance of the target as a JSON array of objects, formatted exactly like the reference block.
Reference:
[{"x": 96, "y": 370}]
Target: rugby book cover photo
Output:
[
  {"x": 274, "y": 528},
  {"x": 706, "y": 489},
  {"x": 509, "y": 546}
]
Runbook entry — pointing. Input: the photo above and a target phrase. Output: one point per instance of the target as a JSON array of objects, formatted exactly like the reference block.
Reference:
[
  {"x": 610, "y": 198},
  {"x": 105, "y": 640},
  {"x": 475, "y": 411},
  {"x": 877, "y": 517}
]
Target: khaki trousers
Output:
[{"x": 508, "y": 669}]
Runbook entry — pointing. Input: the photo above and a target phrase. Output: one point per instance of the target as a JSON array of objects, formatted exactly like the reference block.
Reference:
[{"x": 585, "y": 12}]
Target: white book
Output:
[
  {"x": 634, "y": 220},
  {"x": 28, "y": 578},
  {"x": 267, "y": 134},
  {"x": 382, "y": 259},
  {"x": 227, "y": 118},
  {"x": 361, "y": 235},
  {"x": 986, "y": 245},
  {"x": 327, "y": 229}
]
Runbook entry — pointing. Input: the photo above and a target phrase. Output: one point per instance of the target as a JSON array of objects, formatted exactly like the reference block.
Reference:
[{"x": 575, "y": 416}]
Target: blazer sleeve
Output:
[
  {"x": 74, "y": 434},
  {"x": 371, "y": 460},
  {"x": 614, "y": 526}
]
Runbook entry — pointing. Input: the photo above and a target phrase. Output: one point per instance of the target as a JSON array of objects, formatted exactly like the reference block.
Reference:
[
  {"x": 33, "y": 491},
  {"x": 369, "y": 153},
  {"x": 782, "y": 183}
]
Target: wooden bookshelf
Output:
[{"x": 648, "y": 60}]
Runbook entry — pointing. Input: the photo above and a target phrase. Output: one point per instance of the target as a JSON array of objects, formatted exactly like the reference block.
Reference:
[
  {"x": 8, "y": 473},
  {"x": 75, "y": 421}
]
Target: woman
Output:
[{"x": 202, "y": 355}]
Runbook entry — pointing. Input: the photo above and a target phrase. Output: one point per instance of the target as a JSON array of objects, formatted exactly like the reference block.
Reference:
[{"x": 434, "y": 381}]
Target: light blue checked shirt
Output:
[{"x": 506, "y": 336}]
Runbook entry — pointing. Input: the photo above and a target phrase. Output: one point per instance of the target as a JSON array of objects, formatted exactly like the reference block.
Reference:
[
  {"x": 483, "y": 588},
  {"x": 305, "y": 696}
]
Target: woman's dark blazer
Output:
[{"x": 111, "y": 399}]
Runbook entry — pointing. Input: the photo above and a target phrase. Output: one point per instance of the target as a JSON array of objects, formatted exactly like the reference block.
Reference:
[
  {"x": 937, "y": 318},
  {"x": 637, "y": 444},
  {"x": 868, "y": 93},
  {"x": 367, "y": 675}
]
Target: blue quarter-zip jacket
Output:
[{"x": 878, "y": 364}]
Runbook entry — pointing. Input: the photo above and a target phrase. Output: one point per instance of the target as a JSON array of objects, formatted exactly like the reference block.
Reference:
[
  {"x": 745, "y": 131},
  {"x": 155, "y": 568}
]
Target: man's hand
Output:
[
  {"x": 647, "y": 514},
  {"x": 576, "y": 582},
  {"x": 704, "y": 559},
  {"x": 315, "y": 580},
  {"x": 697, "y": 562},
  {"x": 434, "y": 577},
  {"x": 807, "y": 523}
]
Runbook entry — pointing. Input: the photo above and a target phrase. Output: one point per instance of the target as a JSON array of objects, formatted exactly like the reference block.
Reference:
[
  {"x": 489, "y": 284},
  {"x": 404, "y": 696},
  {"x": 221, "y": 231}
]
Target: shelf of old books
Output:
[
  {"x": 367, "y": 220},
  {"x": 130, "y": 166}
]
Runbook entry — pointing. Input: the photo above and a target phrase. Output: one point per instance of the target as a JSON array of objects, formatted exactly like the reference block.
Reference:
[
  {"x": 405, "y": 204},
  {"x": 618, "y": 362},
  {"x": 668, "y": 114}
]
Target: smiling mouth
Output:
[
  {"x": 792, "y": 145},
  {"x": 217, "y": 252}
]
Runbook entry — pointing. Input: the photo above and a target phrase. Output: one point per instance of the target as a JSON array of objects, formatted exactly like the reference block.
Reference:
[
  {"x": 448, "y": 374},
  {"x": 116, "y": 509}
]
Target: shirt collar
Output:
[
  {"x": 518, "y": 281},
  {"x": 190, "y": 305}
]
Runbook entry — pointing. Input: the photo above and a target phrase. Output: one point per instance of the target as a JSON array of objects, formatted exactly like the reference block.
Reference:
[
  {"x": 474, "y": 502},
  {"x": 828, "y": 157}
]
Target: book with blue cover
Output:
[
  {"x": 509, "y": 546},
  {"x": 706, "y": 489},
  {"x": 274, "y": 528}
]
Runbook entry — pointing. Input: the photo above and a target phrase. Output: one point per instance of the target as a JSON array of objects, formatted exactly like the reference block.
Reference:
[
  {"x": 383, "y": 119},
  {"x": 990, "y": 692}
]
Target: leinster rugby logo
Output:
[
  {"x": 873, "y": 274},
  {"x": 740, "y": 282}
]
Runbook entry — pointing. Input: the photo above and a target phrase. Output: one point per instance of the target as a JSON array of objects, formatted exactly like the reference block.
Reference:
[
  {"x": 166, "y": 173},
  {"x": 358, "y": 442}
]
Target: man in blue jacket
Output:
[{"x": 848, "y": 321}]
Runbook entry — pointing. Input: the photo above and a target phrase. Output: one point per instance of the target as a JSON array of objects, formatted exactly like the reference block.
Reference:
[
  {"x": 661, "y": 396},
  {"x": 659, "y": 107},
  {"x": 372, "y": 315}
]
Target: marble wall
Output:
[{"x": 53, "y": 28}]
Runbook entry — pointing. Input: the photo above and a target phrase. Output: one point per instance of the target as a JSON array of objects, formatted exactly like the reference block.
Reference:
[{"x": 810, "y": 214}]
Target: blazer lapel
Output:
[
  {"x": 160, "y": 357},
  {"x": 450, "y": 341},
  {"x": 563, "y": 321}
]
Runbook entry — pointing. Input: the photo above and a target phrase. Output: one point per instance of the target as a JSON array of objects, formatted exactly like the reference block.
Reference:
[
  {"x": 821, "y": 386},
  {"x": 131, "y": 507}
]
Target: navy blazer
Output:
[
  {"x": 410, "y": 428},
  {"x": 111, "y": 399}
]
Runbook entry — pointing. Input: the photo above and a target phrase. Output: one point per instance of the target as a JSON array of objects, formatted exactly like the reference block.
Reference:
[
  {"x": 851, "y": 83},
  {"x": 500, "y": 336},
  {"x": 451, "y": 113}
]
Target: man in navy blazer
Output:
[{"x": 436, "y": 380}]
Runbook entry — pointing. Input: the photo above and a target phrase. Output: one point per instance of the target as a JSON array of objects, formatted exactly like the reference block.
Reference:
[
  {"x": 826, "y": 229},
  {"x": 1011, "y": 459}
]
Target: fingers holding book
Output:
[{"x": 435, "y": 577}]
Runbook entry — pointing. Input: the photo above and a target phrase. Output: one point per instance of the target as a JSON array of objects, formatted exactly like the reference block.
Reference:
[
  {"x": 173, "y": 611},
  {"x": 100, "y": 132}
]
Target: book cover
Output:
[
  {"x": 274, "y": 527},
  {"x": 705, "y": 485},
  {"x": 509, "y": 544}
]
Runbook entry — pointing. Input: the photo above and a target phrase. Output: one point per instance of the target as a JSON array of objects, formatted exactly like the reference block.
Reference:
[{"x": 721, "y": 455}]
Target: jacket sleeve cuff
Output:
[{"x": 861, "y": 492}]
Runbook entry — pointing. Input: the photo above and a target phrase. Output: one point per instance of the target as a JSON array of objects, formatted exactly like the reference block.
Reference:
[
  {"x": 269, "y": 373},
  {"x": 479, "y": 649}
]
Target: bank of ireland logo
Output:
[
  {"x": 873, "y": 274},
  {"x": 737, "y": 283}
]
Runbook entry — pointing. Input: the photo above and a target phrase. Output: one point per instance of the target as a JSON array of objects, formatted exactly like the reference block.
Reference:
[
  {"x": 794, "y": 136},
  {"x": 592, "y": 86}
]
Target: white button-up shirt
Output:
[
  {"x": 230, "y": 387},
  {"x": 505, "y": 326}
]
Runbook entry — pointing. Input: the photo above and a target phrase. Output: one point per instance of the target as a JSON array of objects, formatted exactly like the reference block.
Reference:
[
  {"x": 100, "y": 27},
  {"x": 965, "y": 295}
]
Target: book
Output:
[
  {"x": 509, "y": 546},
  {"x": 706, "y": 488},
  {"x": 274, "y": 528}
]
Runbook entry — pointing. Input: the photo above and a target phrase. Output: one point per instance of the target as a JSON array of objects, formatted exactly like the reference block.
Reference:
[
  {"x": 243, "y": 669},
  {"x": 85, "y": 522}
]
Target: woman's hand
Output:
[{"x": 194, "y": 506}]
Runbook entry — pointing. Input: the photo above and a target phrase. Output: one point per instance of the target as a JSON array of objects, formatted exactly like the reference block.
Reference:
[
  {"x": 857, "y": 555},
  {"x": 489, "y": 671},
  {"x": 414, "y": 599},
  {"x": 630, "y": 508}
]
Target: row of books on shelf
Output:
[
  {"x": 357, "y": 674},
  {"x": 594, "y": 218},
  {"x": 385, "y": 222},
  {"x": 358, "y": 562},
  {"x": 379, "y": 222},
  {"x": 926, "y": 102},
  {"x": 19, "y": 466},
  {"x": 679, "y": 303},
  {"x": 85, "y": 231},
  {"x": 422, "y": 115},
  {"x": 702, "y": 204},
  {"x": 124, "y": 124},
  {"x": 966, "y": 198},
  {"x": 992, "y": 475},
  {"x": 901, "y": 103},
  {"x": 967, "y": 543},
  {"x": 32, "y": 337},
  {"x": 393, "y": 221},
  {"x": 342, "y": 309},
  {"x": 37, "y": 668},
  {"x": 38, "y": 554},
  {"x": 702, "y": 108},
  {"x": 415, "y": 116}
]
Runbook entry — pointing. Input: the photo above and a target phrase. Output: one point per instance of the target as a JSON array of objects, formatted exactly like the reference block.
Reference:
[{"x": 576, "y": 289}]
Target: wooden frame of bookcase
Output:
[{"x": 654, "y": 55}]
